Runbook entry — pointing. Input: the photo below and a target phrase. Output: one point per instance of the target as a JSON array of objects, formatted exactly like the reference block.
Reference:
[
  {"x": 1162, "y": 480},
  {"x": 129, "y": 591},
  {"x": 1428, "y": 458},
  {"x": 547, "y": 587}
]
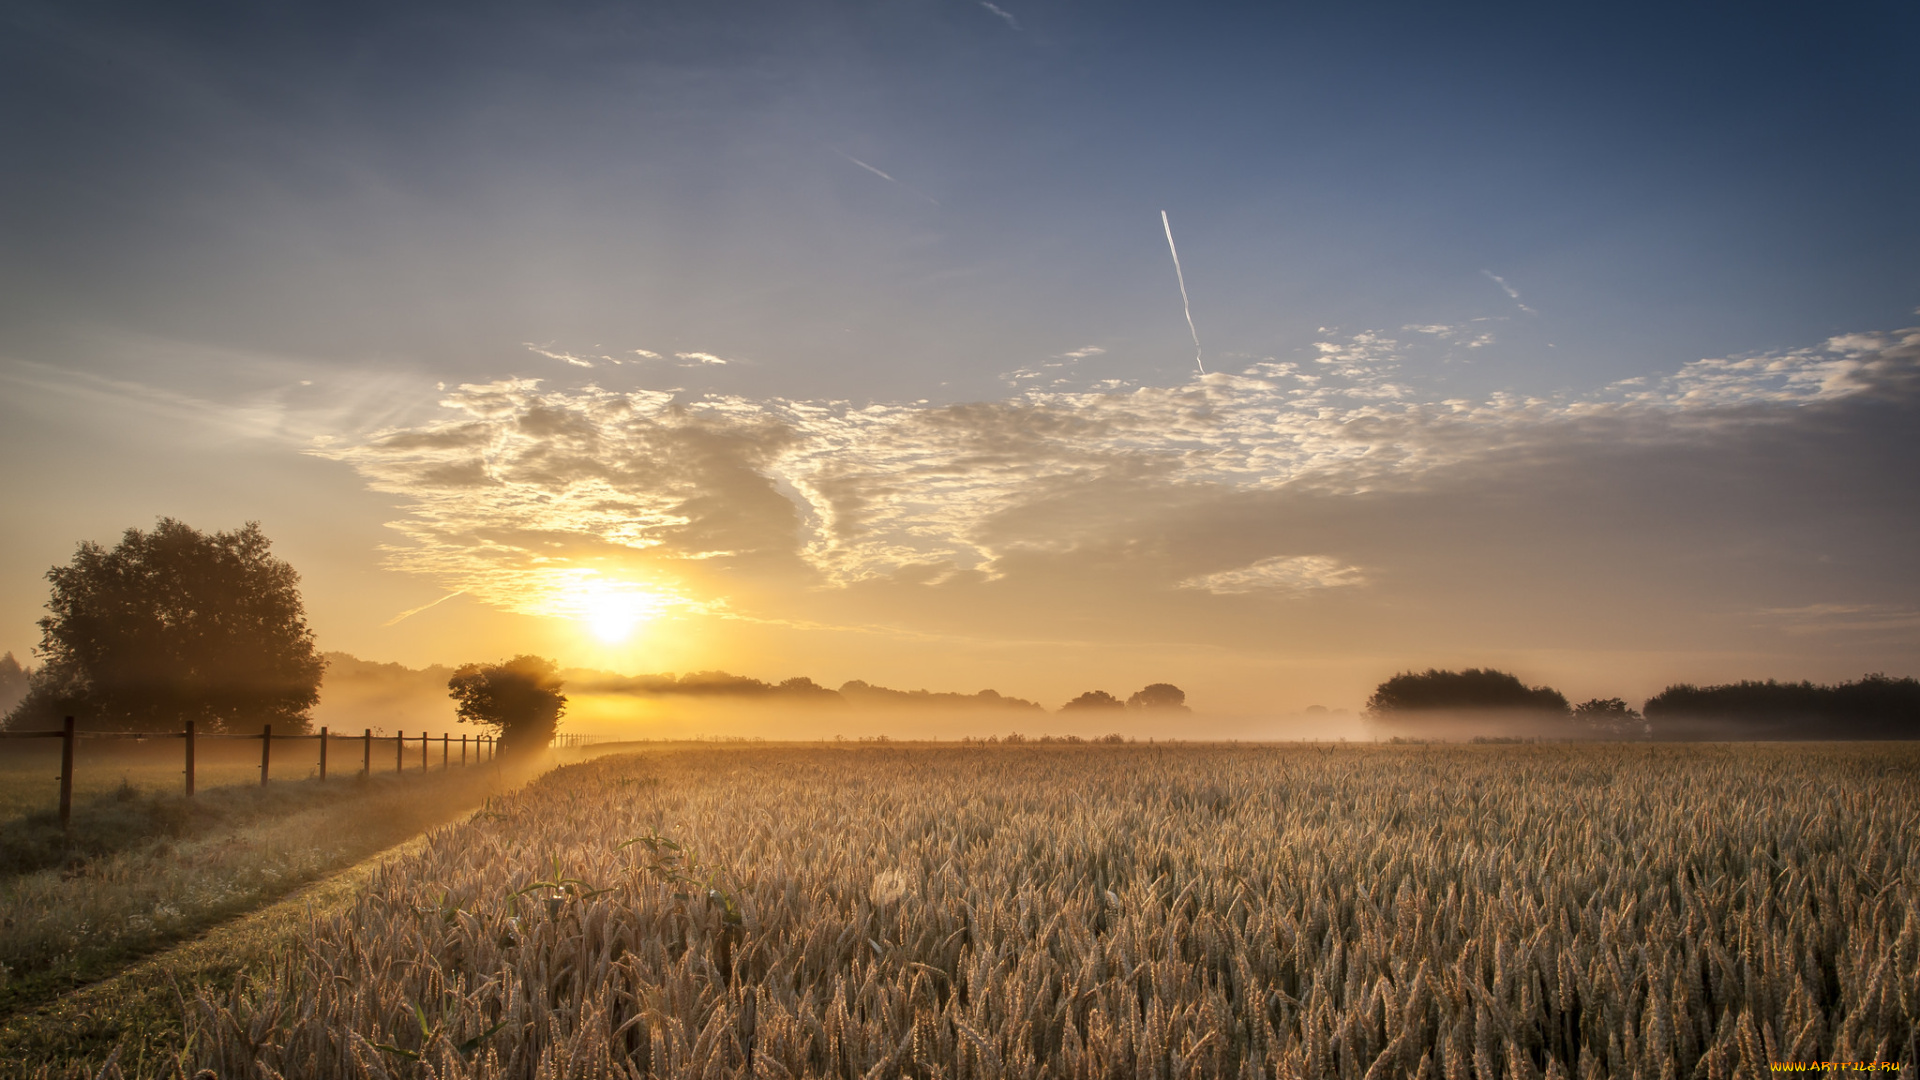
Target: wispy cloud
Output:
[
  {"x": 1512, "y": 293},
  {"x": 1282, "y": 574},
  {"x": 551, "y": 353},
  {"x": 697, "y": 359},
  {"x": 1002, "y": 12},
  {"x": 1830, "y": 619}
]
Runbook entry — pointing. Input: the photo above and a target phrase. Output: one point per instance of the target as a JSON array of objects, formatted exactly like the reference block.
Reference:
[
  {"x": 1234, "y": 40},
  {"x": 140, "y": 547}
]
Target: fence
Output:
[{"x": 484, "y": 748}]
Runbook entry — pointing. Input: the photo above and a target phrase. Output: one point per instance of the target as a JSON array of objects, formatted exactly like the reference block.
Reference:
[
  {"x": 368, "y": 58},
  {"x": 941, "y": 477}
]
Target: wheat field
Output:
[{"x": 1362, "y": 912}]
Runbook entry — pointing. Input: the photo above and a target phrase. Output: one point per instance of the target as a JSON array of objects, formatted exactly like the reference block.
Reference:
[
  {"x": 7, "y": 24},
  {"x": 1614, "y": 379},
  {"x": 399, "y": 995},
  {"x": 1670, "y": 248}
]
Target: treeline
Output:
[
  {"x": 1872, "y": 707},
  {"x": 858, "y": 693}
]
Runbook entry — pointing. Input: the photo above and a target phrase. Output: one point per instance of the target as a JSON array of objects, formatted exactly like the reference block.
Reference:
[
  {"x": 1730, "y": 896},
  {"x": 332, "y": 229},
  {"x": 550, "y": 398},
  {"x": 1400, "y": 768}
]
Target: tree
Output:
[
  {"x": 1159, "y": 696},
  {"x": 1610, "y": 717},
  {"x": 1093, "y": 699},
  {"x": 519, "y": 699},
  {"x": 174, "y": 625},
  {"x": 1473, "y": 689}
]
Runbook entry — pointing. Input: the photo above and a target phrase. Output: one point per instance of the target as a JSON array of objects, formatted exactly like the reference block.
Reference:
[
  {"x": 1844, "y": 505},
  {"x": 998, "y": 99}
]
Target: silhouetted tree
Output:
[
  {"x": 1609, "y": 716},
  {"x": 519, "y": 699},
  {"x": 13, "y": 683},
  {"x": 1093, "y": 699},
  {"x": 1474, "y": 688},
  {"x": 1159, "y": 696},
  {"x": 1875, "y": 707},
  {"x": 172, "y": 625}
]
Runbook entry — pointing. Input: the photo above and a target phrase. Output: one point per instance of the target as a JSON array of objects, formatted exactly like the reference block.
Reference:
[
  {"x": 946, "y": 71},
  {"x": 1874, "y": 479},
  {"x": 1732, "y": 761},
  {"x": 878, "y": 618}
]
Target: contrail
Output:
[
  {"x": 423, "y": 607},
  {"x": 1183, "y": 292},
  {"x": 884, "y": 176}
]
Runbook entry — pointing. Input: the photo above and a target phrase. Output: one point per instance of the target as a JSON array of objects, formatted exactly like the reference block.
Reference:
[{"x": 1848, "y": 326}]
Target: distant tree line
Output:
[
  {"x": 1873, "y": 707},
  {"x": 861, "y": 694},
  {"x": 1156, "y": 697}
]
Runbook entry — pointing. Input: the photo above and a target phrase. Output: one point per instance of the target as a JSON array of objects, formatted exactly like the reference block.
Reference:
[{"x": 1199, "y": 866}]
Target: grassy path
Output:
[
  {"x": 124, "y": 992},
  {"x": 138, "y": 1011}
]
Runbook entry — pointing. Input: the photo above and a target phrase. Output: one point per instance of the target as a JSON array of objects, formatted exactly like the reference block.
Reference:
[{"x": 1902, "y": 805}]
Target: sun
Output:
[{"x": 612, "y": 616}]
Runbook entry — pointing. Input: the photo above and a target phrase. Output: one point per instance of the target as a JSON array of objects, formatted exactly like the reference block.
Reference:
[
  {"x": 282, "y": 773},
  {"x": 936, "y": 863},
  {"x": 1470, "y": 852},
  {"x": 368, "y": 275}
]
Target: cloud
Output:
[
  {"x": 1829, "y": 619},
  {"x": 1002, "y": 12},
  {"x": 1465, "y": 335},
  {"x": 1512, "y": 293},
  {"x": 695, "y": 359},
  {"x": 645, "y": 354},
  {"x": 551, "y": 354},
  {"x": 1282, "y": 481},
  {"x": 1287, "y": 574}
]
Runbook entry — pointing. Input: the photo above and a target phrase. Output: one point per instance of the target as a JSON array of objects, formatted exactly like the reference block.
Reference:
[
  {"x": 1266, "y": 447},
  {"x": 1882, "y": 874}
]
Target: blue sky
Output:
[{"x": 235, "y": 233}]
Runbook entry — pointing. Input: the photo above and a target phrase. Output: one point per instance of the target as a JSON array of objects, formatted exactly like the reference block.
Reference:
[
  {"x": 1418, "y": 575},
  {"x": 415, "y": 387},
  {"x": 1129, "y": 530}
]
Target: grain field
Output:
[{"x": 1363, "y": 912}]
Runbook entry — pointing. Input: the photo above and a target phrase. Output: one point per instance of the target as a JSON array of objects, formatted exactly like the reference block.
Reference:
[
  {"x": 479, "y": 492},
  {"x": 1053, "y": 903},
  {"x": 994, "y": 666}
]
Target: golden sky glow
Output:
[{"x": 847, "y": 341}]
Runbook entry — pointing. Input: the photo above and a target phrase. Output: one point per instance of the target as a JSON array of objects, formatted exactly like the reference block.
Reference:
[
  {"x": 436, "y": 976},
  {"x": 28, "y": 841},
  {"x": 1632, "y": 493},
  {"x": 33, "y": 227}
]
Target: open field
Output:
[
  {"x": 1449, "y": 912},
  {"x": 30, "y": 768}
]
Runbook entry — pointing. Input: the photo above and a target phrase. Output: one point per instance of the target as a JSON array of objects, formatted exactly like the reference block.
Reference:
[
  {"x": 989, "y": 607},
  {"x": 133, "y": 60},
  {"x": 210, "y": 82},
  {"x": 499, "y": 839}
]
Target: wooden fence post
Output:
[
  {"x": 66, "y": 774},
  {"x": 445, "y": 739},
  {"x": 423, "y": 751},
  {"x": 463, "y": 749},
  {"x": 400, "y": 752},
  {"x": 266, "y": 751},
  {"x": 366, "y": 755},
  {"x": 323, "y": 755},
  {"x": 189, "y": 741}
]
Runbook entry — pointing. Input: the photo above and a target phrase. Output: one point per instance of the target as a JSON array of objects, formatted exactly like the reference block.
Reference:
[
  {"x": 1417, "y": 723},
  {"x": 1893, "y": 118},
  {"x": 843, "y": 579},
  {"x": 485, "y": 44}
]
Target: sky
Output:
[{"x": 848, "y": 339}]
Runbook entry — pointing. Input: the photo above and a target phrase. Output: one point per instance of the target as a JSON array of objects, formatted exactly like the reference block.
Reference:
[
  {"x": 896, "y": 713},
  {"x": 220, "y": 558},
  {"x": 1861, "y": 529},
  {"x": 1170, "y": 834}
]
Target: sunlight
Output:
[{"x": 612, "y": 612}]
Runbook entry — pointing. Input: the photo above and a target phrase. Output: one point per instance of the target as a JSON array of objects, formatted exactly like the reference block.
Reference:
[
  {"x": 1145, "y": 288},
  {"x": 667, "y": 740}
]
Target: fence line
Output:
[{"x": 485, "y": 748}]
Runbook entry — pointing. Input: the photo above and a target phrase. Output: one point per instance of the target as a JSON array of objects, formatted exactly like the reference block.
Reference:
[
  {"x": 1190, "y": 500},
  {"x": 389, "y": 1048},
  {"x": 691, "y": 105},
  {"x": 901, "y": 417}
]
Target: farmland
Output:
[{"x": 1442, "y": 912}]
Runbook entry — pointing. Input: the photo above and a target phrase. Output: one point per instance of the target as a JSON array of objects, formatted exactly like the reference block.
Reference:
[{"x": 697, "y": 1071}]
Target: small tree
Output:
[
  {"x": 520, "y": 700},
  {"x": 1611, "y": 717},
  {"x": 1093, "y": 699},
  {"x": 174, "y": 625}
]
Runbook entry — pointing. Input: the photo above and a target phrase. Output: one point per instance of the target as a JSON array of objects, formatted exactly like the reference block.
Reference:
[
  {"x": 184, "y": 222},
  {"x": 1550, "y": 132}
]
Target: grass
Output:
[
  {"x": 132, "y": 1019},
  {"x": 1460, "y": 912},
  {"x": 141, "y": 871}
]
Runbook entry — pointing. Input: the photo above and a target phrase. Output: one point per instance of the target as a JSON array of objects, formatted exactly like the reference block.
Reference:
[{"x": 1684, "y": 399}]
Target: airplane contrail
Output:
[
  {"x": 423, "y": 607},
  {"x": 1182, "y": 278},
  {"x": 885, "y": 176}
]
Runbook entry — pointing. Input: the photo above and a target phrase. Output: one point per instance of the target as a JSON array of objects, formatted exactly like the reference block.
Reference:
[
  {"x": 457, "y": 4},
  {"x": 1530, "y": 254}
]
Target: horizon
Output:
[{"x": 957, "y": 345}]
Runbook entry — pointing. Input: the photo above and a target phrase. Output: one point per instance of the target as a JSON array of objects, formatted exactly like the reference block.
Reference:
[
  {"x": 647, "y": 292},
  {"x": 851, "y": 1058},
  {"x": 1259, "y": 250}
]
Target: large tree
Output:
[
  {"x": 1474, "y": 689},
  {"x": 174, "y": 625},
  {"x": 520, "y": 699}
]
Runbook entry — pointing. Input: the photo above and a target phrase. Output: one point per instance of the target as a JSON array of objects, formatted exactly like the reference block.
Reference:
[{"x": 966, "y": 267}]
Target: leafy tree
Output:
[
  {"x": 1474, "y": 688},
  {"x": 519, "y": 699},
  {"x": 174, "y": 625},
  {"x": 1159, "y": 696},
  {"x": 1093, "y": 699},
  {"x": 1609, "y": 716}
]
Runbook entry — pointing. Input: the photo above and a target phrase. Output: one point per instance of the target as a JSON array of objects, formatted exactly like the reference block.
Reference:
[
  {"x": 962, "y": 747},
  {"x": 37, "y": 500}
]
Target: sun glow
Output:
[{"x": 614, "y": 612}]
